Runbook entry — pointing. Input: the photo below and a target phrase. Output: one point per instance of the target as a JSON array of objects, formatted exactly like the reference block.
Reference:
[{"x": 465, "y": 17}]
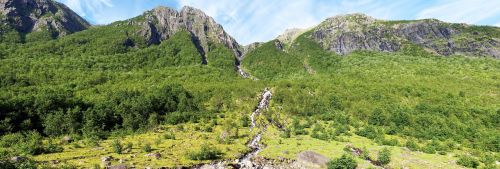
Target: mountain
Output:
[
  {"x": 162, "y": 22},
  {"x": 171, "y": 89},
  {"x": 43, "y": 17},
  {"x": 344, "y": 34}
]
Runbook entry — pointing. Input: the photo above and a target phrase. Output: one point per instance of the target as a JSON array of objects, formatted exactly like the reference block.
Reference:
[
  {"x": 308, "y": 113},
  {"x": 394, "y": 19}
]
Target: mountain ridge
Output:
[{"x": 28, "y": 16}]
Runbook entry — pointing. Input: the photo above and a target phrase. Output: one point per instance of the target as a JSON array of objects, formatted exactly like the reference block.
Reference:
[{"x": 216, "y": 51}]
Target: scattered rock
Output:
[
  {"x": 121, "y": 166},
  {"x": 278, "y": 44},
  {"x": 17, "y": 159},
  {"x": 97, "y": 148},
  {"x": 106, "y": 160},
  {"x": 312, "y": 158},
  {"x": 155, "y": 155},
  {"x": 121, "y": 161},
  {"x": 67, "y": 139}
]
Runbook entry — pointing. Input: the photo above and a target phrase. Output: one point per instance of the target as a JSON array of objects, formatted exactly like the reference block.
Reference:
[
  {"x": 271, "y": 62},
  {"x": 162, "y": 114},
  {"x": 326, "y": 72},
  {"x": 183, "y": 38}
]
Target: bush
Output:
[
  {"x": 390, "y": 142},
  {"x": 53, "y": 148},
  {"x": 369, "y": 132},
  {"x": 412, "y": 145},
  {"x": 147, "y": 148},
  {"x": 245, "y": 121},
  {"x": 169, "y": 136},
  {"x": 205, "y": 153},
  {"x": 384, "y": 156},
  {"x": 429, "y": 149},
  {"x": 468, "y": 161},
  {"x": 344, "y": 162},
  {"x": 117, "y": 146},
  {"x": 128, "y": 147}
]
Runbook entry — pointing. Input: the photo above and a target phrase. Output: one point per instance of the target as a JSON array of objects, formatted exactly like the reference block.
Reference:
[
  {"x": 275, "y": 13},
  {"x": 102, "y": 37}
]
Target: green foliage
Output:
[
  {"x": 268, "y": 62},
  {"x": 369, "y": 132},
  {"x": 384, "y": 156},
  {"x": 27, "y": 143},
  {"x": 206, "y": 152},
  {"x": 24, "y": 163},
  {"x": 147, "y": 148},
  {"x": 117, "y": 147},
  {"x": 245, "y": 121},
  {"x": 468, "y": 161},
  {"x": 412, "y": 145},
  {"x": 169, "y": 136},
  {"x": 344, "y": 162}
]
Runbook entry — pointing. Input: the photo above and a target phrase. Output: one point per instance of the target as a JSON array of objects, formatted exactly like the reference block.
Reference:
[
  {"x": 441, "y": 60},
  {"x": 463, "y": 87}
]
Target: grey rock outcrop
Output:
[
  {"x": 344, "y": 34},
  {"x": 27, "y": 16},
  {"x": 162, "y": 22}
]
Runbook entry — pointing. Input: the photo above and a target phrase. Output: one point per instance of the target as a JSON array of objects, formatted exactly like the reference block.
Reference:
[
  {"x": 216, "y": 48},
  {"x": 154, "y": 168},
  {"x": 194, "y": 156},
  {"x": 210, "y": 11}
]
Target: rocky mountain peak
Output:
[
  {"x": 27, "y": 16},
  {"x": 344, "y": 34},
  {"x": 162, "y": 22},
  {"x": 289, "y": 35}
]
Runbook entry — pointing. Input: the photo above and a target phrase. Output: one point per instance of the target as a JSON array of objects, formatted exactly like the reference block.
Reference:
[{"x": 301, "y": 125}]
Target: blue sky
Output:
[{"x": 262, "y": 20}]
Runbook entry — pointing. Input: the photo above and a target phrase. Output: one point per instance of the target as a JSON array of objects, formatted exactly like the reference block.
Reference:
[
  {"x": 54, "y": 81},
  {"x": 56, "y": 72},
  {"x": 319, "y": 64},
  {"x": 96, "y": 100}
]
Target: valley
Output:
[{"x": 172, "y": 89}]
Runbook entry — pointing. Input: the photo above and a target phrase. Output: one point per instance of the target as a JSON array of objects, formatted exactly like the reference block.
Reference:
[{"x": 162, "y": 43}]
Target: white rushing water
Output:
[{"x": 246, "y": 161}]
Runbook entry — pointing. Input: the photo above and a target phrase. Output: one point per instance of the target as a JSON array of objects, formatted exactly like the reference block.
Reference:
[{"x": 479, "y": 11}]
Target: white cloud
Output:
[
  {"x": 89, "y": 8},
  {"x": 466, "y": 11}
]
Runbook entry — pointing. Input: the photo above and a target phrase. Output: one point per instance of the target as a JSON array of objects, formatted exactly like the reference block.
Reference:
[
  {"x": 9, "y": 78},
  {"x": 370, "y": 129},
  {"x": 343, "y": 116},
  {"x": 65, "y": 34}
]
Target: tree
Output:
[{"x": 344, "y": 162}]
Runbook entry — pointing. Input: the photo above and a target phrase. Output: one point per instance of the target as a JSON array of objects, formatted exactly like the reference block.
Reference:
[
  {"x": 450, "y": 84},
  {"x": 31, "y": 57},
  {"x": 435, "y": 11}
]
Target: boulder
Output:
[{"x": 312, "y": 159}]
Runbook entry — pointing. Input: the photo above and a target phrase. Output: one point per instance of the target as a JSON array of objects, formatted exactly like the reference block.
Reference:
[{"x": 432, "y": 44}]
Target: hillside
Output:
[{"x": 171, "y": 88}]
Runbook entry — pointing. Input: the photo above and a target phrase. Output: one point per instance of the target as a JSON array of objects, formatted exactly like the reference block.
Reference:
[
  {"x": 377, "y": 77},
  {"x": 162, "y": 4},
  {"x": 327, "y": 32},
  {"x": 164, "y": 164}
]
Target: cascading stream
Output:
[{"x": 246, "y": 161}]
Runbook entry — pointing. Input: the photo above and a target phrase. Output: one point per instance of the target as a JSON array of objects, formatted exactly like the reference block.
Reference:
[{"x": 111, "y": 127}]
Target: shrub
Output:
[
  {"x": 390, "y": 142},
  {"x": 53, "y": 148},
  {"x": 206, "y": 152},
  {"x": 344, "y": 162},
  {"x": 245, "y": 121},
  {"x": 384, "y": 156},
  {"x": 147, "y": 148},
  {"x": 369, "y": 132},
  {"x": 117, "y": 146},
  {"x": 286, "y": 134},
  {"x": 412, "y": 145},
  {"x": 169, "y": 136},
  {"x": 468, "y": 161},
  {"x": 429, "y": 149},
  {"x": 128, "y": 146}
]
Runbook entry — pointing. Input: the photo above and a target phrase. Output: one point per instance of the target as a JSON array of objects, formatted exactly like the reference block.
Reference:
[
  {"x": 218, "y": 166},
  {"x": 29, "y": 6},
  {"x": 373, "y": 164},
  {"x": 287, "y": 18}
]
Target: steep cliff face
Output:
[
  {"x": 26, "y": 16},
  {"x": 344, "y": 34},
  {"x": 162, "y": 22}
]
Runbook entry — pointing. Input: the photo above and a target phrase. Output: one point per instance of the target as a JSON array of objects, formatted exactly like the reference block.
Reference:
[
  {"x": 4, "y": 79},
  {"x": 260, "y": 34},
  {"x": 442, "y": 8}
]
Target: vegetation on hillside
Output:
[{"x": 104, "y": 84}]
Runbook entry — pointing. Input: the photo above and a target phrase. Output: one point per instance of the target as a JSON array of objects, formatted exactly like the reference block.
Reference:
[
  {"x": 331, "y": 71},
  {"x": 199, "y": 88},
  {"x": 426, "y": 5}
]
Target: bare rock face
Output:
[
  {"x": 27, "y": 16},
  {"x": 290, "y": 35},
  {"x": 344, "y": 34},
  {"x": 162, "y": 22}
]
